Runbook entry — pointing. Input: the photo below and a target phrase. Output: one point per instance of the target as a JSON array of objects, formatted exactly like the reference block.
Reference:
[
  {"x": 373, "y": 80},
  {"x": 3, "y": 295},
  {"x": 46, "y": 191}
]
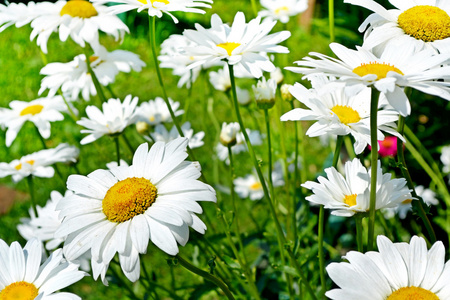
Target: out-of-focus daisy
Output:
[
  {"x": 282, "y": 10},
  {"x": 423, "y": 22},
  {"x": 20, "y": 14},
  {"x": 74, "y": 78},
  {"x": 40, "y": 111},
  {"x": 220, "y": 80},
  {"x": 79, "y": 19},
  {"x": 241, "y": 44},
  {"x": 155, "y": 112},
  {"x": 351, "y": 194},
  {"x": 161, "y": 134},
  {"x": 339, "y": 114},
  {"x": 228, "y": 134},
  {"x": 400, "y": 65},
  {"x": 277, "y": 75},
  {"x": 243, "y": 96},
  {"x": 265, "y": 91},
  {"x": 155, "y": 198},
  {"x": 396, "y": 271},
  {"x": 22, "y": 276},
  {"x": 240, "y": 146},
  {"x": 116, "y": 116},
  {"x": 158, "y": 7},
  {"x": 250, "y": 186},
  {"x": 445, "y": 159}
]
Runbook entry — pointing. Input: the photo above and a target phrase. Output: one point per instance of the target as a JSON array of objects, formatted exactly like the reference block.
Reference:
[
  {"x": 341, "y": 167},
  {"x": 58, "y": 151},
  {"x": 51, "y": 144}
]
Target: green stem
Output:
[
  {"x": 111, "y": 92},
  {"x": 116, "y": 141},
  {"x": 254, "y": 8},
  {"x": 127, "y": 142},
  {"x": 383, "y": 222},
  {"x": 269, "y": 149},
  {"x": 97, "y": 84},
  {"x": 331, "y": 19},
  {"x": 31, "y": 189},
  {"x": 71, "y": 113},
  {"x": 359, "y": 232},
  {"x": 301, "y": 275},
  {"x": 321, "y": 252}
]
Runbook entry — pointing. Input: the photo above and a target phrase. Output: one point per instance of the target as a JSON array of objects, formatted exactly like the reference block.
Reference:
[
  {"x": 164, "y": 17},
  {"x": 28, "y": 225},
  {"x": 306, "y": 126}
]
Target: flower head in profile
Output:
[
  {"x": 241, "y": 44},
  {"x": 282, "y": 10},
  {"x": 265, "y": 91},
  {"x": 228, "y": 134},
  {"x": 155, "y": 112},
  {"x": 250, "y": 186},
  {"x": 161, "y": 134},
  {"x": 396, "y": 271},
  {"x": 122, "y": 209},
  {"x": 240, "y": 146}
]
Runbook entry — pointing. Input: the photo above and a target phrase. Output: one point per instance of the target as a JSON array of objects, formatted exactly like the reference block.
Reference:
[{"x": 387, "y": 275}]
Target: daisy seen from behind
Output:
[
  {"x": 282, "y": 10},
  {"x": 121, "y": 209}
]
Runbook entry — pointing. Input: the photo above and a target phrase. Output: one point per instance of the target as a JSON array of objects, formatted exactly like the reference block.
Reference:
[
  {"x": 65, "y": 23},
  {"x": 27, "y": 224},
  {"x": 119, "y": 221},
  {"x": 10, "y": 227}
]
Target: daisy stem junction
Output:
[{"x": 97, "y": 84}]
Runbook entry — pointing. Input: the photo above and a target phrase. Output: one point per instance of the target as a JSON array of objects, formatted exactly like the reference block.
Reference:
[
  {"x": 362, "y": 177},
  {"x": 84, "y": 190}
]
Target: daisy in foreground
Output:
[
  {"x": 397, "y": 271},
  {"x": 121, "y": 209},
  {"x": 399, "y": 66},
  {"x": 22, "y": 276}
]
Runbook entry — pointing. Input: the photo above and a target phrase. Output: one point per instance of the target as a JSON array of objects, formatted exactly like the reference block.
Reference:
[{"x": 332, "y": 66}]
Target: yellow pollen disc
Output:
[
  {"x": 256, "y": 186},
  {"x": 19, "y": 290},
  {"x": 153, "y": 1},
  {"x": 19, "y": 166},
  {"x": 229, "y": 46},
  {"x": 281, "y": 9},
  {"x": 79, "y": 8},
  {"x": 425, "y": 22},
  {"x": 379, "y": 69},
  {"x": 412, "y": 293},
  {"x": 346, "y": 114},
  {"x": 350, "y": 200},
  {"x": 128, "y": 198},
  {"x": 92, "y": 58},
  {"x": 32, "y": 110}
]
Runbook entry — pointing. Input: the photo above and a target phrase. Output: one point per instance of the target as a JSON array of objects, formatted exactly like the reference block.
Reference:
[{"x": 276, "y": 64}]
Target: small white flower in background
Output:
[
  {"x": 282, "y": 10},
  {"x": 244, "y": 44},
  {"x": 155, "y": 112},
  {"x": 285, "y": 93},
  {"x": 22, "y": 276},
  {"x": 161, "y": 134},
  {"x": 116, "y": 116},
  {"x": 40, "y": 111},
  {"x": 158, "y": 7},
  {"x": 228, "y": 134},
  {"x": 73, "y": 78},
  {"x": 250, "y": 186},
  {"x": 445, "y": 159},
  {"x": 243, "y": 96},
  {"x": 79, "y": 19},
  {"x": 220, "y": 79},
  {"x": 20, "y": 14},
  {"x": 265, "y": 91},
  {"x": 277, "y": 75},
  {"x": 241, "y": 146},
  {"x": 395, "y": 271},
  {"x": 154, "y": 199}
]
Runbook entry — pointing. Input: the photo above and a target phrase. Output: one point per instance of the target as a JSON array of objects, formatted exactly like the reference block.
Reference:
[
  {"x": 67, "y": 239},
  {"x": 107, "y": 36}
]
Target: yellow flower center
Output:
[
  {"x": 229, "y": 46},
  {"x": 281, "y": 10},
  {"x": 379, "y": 69},
  {"x": 412, "y": 293},
  {"x": 79, "y": 8},
  {"x": 32, "y": 110},
  {"x": 425, "y": 22},
  {"x": 350, "y": 200},
  {"x": 256, "y": 186},
  {"x": 19, "y": 166},
  {"x": 128, "y": 198},
  {"x": 346, "y": 114},
  {"x": 153, "y": 1},
  {"x": 407, "y": 201},
  {"x": 19, "y": 290}
]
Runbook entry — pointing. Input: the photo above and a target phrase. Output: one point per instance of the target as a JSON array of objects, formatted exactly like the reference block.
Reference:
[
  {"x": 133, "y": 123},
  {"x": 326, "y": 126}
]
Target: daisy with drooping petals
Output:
[
  {"x": 161, "y": 134},
  {"x": 398, "y": 271},
  {"x": 116, "y": 116},
  {"x": 399, "y": 66},
  {"x": 155, "y": 112},
  {"x": 243, "y": 44},
  {"x": 121, "y": 209},
  {"x": 22, "y": 276},
  {"x": 282, "y": 10}
]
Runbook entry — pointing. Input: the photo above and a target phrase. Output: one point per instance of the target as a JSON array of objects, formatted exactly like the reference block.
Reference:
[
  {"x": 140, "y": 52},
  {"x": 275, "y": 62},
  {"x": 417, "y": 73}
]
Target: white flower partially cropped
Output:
[
  {"x": 79, "y": 19},
  {"x": 423, "y": 22},
  {"x": 250, "y": 186},
  {"x": 229, "y": 132},
  {"x": 399, "y": 66},
  {"x": 445, "y": 158},
  {"x": 22, "y": 276},
  {"x": 396, "y": 271},
  {"x": 115, "y": 117},
  {"x": 73, "y": 78},
  {"x": 161, "y": 134},
  {"x": 338, "y": 113},
  {"x": 20, "y": 14},
  {"x": 122, "y": 209},
  {"x": 351, "y": 194},
  {"x": 158, "y": 7},
  {"x": 220, "y": 80},
  {"x": 242, "y": 43},
  {"x": 240, "y": 146},
  {"x": 282, "y": 10},
  {"x": 155, "y": 112}
]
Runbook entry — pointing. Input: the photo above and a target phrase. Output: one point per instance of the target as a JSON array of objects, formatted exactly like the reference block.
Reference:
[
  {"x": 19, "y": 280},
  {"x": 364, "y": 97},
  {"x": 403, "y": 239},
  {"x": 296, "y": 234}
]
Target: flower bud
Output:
[
  {"x": 142, "y": 127},
  {"x": 228, "y": 134},
  {"x": 265, "y": 93},
  {"x": 285, "y": 94}
]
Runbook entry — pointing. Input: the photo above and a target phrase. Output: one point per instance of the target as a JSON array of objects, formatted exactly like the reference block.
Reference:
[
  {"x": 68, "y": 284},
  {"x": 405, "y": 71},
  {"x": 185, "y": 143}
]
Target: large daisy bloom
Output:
[
  {"x": 397, "y": 271},
  {"x": 155, "y": 112},
  {"x": 282, "y": 10},
  {"x": 161, "y": 134},
  {"x": 114, "y": 118},
  {"x": 121, "y": 209},
  {"x": 79, "y": 19},
  {"x": 399, "y": 66},
  {"x": 242, "y": 43},
  {"x": 40, "y": 111},
  {"x": 338, "y": 113},
  {"x": 426, "y": 23},
  {"x": 22, "y": 276},
  {"x": 158, "y": 7},
  {"x": 351, "y": 194}
]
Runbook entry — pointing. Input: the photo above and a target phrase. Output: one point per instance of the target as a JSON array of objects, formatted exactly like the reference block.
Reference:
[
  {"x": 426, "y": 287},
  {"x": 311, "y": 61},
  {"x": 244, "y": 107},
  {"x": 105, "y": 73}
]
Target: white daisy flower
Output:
[
  {"x": 220, "y": 80},
  {"x": 400, "y": 65},
  {"x": 161, "y": 134},
  {"x": 241, "y": 43},
  {"x": 351, "y": 194},
  {"x": 79, "y": 19},
  {"x": 422, "y": 22},
  {"x": 277, "y": 75},
  {"x": 114, "y": 118},
  {"x": 74, "y": 78},
  {"x": 155, "y": 112},
  {"x": 264, "y": 92},
  {"x": 229, "y": 132},
  {"x": 445, "y": 158},
  {"x": 243, "y": 96},
  {"x": 121, "y": 209},
  {"x": 250, "y": 186},
  {"x": 40, "y": 111},
  {"x": 158, "y": 7},
  {"x": 282, "y": 10},
  {"x": 20, "y": 14},
  {"x": 339, "y": 114},
  {"x": 22, "y": 276},
  {"x": 396, "y": 271},
  {"x": 240, "y": 146}
]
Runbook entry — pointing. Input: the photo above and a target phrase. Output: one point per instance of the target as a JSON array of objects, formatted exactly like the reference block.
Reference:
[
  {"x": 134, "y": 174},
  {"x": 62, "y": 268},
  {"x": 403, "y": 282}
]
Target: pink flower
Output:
[{"x": 388, "y": 146}]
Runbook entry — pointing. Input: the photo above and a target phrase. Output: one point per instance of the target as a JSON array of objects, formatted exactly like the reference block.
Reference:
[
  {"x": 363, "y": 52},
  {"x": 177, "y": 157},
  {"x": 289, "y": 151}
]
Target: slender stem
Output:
[
  {"x": 116, "y": 141},
  {"x": 98, "y": 86},
  {"x": 331, "y": 19},
  {"x": 254, "y": 8},
  {"x": 31, "y": 189},
  {"x": 205, "y": 275},
  {"x": 359, "y": 232},
  {"x": 301, "y": 275},
  {"x": 321, "y": 253},
  {"x": 111, "y": 92},
  {"x": 127, "y": 142},
  {"x": 339, "y": 142},
  {"x": 383, "y": 222},
  {"x": 71, "y": 113},
  {"x": 269, "y": 150}
]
